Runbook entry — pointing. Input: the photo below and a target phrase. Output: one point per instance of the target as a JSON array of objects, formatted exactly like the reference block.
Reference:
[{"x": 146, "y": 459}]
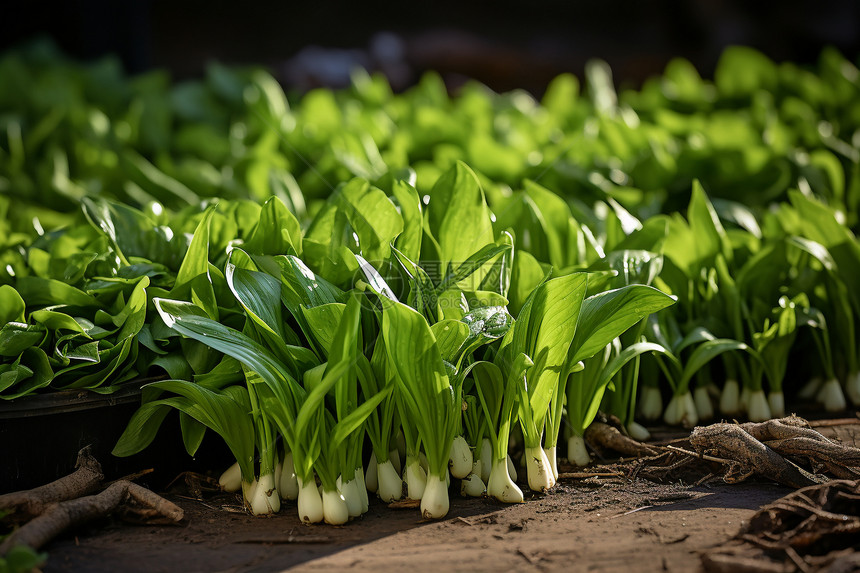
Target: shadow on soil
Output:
[
  {"x": 740, "y": 496},
  {"x": 216, "y": 537}
]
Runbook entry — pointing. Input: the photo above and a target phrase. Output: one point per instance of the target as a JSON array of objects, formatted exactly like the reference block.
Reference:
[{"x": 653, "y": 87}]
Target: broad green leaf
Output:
[
  {"x": 372, "y": 216},
  {"x": 458, "y": 215},
  {"x": 54, "y": 320},
  {"x": 11, "y": 305},
  {"x": 277, "y": 232},
  {"x": 141, "y": 429},
  {"x": 527, "y": 274},
  {"x": 606, "y": 315},
  {"x": 450, "y": 337},
  {"x": 38, "y": 291},
  {"x": 15, "y": 337},
  {"x": 323, "y": 322}
]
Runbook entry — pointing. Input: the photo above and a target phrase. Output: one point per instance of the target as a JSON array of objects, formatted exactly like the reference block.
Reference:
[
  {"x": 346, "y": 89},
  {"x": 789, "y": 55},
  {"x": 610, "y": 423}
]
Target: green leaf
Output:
[
  {"x": 191, "y": 321},
  {"x": 704, "y": 353},
  {"x": 141, "y": 429},
  {"x": 225, "y": 412},
  {"x": 303, "y": 286},
  {"x": 409, "y": 241},
  {"x": 15, "y": 337},
  {"x": 196, "y": 261},
  {"x": 39, "y": 291},
  {"x": 277, "y": 232},
  {"x": 372, "y": 216},
  {"x": 422, "y": 292},
  {"x": 527, "y": 274},
  {"x": 323, "y": 322},
  {"x": 422, "y": 379},
  {"x": 470, "y": 266},
  {"x": 450, "y": 336},
  {"x": 458, "y": 215},
  {"x": 11, "y": 305},
  {"x": 544, "y": 331},
  {"x": 606, "y": 315}
]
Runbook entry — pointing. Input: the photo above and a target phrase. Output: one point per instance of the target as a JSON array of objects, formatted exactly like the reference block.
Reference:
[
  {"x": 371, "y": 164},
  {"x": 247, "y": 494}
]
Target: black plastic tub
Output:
[{"x": 40, "y": 437}]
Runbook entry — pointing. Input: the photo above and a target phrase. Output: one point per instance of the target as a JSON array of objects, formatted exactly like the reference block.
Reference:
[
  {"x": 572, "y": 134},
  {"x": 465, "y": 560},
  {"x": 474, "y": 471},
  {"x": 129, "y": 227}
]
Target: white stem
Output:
[
  {"x": 810, "y": 390},
  {"x": 288, "y": 484},
  {"x": 577, "y": 454},
  {"x": 335, "y": 508},
  {"x": 553, "y": 462},
  {"x": 512, "y": 469},
  {"x": 371, "y": 477},
  {"x": 702, "y": 400},
  {"x": 249, "y": 488},
  {"x": 757, "y": 407},
  {"x": 651, "y": 403},
  {"x": 691, "y": 415},
  {"x": 501, "y": 486},
  {"x": 776, "y": 402},
  {"x": 473, "y": 486},
  {"x": 415, "y": 477},
  {"x": 434, "y": 502},
  {"x": 852, "y": 388},
  {"x": 832, "y": 396},
  {"x": 729, "y": 398},
  {"x": 361, "y": 486},
  {"x": 538, "y": 469},
  {"x": 265, "y": 499},
  {"x": 390, "y": 485},
  {"x": 310, "y": 502},
  {"x": 637, "y": 431},
  {"x": 231, "y": 479},
  {"x": 681, "y": 410},
  {"x": 672, "y": 413},
  {"x": 486, "y": 459},
  {"x": 350, "y": 494},
  {"x": 460, "y": 458}
]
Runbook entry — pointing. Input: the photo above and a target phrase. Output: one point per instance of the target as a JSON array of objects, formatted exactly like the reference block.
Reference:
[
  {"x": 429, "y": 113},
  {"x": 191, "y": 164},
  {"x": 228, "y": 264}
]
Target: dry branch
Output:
[
  {"x": 27, "y": 504},
  {"x": 63, "y": 515}
]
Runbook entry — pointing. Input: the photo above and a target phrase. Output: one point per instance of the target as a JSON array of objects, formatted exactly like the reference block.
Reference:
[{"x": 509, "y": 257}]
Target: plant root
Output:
[
  {"x": 60, "y": 516},
  {"x": 26, "y": 504},
  {"x": 810, "y": 530},
  {"x": 733, "y": 442},
  {"x": 608, "y": 437},
  {"x": 774, "y": 449}
]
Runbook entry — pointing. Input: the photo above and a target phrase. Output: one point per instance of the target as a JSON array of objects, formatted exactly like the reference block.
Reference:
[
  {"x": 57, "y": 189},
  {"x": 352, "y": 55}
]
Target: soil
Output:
[{"x": 607, "y": 524}]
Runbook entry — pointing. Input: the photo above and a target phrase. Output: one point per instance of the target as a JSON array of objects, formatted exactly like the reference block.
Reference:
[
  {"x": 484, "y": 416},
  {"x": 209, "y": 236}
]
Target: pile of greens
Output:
[{"x": 367, "y": 291}]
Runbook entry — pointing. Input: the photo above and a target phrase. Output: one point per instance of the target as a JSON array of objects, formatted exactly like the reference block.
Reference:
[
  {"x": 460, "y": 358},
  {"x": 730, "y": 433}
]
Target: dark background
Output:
[{"x": 504, "y": 44}]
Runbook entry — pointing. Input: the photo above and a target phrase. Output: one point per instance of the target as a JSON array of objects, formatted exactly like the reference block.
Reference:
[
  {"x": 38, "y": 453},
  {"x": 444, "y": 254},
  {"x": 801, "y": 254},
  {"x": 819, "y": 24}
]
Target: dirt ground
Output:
[{"x": 606, "y": 524}]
